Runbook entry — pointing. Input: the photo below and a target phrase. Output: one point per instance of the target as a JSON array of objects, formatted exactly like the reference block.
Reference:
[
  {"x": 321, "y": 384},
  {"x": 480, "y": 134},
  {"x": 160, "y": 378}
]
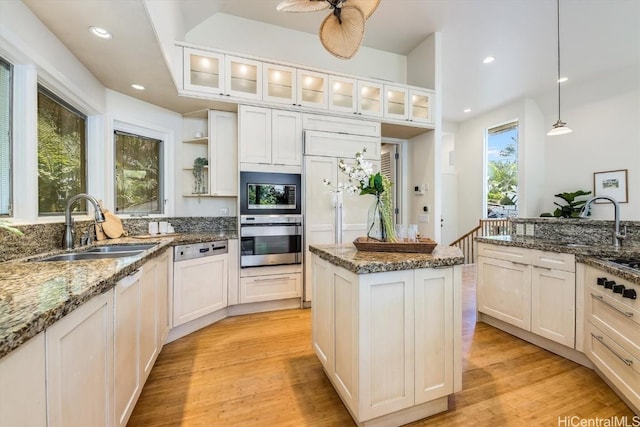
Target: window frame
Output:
[
  {"x": 10, "y": 124},
  {"x": 501, "y": 127}
]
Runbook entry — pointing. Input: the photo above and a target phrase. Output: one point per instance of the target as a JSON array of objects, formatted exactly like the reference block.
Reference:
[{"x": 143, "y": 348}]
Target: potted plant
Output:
[
  {"x": 198, "y": 172},
  {"x": 572, "y": 207}
]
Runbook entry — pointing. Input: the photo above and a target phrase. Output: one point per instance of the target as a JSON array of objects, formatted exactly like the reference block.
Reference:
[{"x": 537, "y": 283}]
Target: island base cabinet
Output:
[
  {"x": 22, "y": 379},
  {"x": 80, "y": 365},
  {"x": 387, "y": 340}
]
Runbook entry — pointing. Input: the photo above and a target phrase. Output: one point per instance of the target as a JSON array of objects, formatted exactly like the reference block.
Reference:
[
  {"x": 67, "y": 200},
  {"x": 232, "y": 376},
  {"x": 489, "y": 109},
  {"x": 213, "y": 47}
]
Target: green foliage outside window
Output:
[
  {"x": 138, "y": 187},
  {"x": 61, "y": 154}
]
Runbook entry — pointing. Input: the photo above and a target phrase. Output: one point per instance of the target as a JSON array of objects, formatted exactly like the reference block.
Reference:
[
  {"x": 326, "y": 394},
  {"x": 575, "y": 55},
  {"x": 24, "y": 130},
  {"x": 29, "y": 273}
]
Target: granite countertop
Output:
[
  {"x": 598, "y": 256},
  {"x": 34, "y": 295},
  {"x": 347, "y": 256}
]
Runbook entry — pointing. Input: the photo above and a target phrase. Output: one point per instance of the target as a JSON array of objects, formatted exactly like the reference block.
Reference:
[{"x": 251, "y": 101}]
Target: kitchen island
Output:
[{"x": 387, "y": 330}]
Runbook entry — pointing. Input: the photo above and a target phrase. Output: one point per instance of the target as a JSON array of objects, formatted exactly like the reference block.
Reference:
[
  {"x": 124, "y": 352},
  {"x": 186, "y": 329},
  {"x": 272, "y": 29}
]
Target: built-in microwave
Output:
[{"x": 265, "y": 193}]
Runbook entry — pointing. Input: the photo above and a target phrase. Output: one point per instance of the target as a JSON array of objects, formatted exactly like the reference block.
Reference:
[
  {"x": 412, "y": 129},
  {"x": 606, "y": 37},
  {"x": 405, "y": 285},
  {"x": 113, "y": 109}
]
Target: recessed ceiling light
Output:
[
  {"x": 563, "y": 79},
  {"x": 100, "y": 32},
  {"x": 488, "y": 60},
  {"x": 467, "y": 110},
  {"x": 137, "y": 86}
]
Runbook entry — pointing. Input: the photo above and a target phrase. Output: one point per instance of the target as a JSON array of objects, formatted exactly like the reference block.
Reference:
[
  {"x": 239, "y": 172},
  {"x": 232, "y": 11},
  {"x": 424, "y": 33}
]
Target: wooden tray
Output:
[{"x": 423, "y": 245}]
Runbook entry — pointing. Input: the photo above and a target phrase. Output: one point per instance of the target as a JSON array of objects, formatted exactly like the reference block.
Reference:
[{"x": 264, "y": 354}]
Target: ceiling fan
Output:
[{"x": 342, "y": 31}]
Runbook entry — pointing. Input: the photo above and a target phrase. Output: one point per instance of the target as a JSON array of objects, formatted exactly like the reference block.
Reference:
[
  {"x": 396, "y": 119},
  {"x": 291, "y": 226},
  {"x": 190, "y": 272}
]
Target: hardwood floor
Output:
[{"x": 260, "y": 370}]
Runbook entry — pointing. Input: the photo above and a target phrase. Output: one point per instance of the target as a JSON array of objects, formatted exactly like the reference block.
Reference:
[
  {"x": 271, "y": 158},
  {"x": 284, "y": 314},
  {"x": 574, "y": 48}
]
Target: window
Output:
[
  {"x": 138, "y": 172},
  {"x": 5, "y": 137},
  {"x": 61, "y": 153},
  {"x": 502, "y": 171}
]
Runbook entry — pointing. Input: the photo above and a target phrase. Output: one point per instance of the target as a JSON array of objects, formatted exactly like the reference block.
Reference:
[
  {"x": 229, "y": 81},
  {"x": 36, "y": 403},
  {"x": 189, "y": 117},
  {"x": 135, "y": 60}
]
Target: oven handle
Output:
[{"x": 272, "y": 230}]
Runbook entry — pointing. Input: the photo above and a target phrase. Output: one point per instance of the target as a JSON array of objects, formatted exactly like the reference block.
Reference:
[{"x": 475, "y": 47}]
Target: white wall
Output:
[
  {"x": 469, "y": 160},
  {"x": 222, "y": 31},
  {"x": 605, "y": 117}
]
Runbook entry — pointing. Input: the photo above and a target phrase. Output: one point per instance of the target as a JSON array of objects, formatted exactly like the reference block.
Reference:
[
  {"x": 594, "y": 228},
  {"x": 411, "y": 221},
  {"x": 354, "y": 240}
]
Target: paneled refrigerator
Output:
[{"x": 331, "y": 216}]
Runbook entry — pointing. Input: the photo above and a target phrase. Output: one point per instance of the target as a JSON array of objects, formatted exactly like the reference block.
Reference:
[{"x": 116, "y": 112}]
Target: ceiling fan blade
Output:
[
  {"x": 343, "y": 40},
  {"x": 366, "y": 6},
  {"x": 302, "y": 5}
]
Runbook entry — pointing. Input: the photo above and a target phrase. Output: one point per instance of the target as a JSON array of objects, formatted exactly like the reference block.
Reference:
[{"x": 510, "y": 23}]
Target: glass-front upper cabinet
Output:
[
  {"x": 203, "y": 71},
  {"x": 279, "y": 84},
  {"x": 244, "y": 77},
  {"x": 342, "y": 94},
  {"x": 396, "y": 105},
  {"x": 312, "y": 89},
  {"x": 369, "y": 98},
  {"x": 420, "y": 106}
]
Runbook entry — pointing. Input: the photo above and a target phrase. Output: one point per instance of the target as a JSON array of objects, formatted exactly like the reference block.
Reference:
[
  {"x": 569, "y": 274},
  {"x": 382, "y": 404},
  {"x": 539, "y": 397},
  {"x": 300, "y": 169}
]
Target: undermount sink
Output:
[
  {"x": 121, "y": 248},
  {"x": 101, "y": 252}
]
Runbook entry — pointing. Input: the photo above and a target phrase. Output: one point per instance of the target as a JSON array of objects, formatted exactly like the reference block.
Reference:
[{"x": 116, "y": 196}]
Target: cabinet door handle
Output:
[
  {"x": 270, "y": 279},
  {"x": 605, "y": 302},
  {"x": 519, "y": 263},
  {"x": 600, "y": 339}
]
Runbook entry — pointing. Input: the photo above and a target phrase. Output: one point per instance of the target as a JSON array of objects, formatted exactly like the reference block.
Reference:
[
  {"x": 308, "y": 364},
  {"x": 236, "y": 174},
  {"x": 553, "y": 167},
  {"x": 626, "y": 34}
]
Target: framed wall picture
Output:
[{"x": 612, "y": 184}]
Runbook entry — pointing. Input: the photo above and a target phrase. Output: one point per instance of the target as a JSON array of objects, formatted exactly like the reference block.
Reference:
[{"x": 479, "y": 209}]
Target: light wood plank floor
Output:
[{"x": 260, "y": 370}]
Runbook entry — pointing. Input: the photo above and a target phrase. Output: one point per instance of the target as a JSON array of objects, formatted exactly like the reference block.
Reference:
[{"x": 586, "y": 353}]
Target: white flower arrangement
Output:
[{"x": 359, "y": 176}]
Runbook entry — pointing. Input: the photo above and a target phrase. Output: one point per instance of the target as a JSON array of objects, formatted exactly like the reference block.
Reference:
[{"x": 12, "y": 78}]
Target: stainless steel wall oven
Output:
[{"x": 270, "y": 240}]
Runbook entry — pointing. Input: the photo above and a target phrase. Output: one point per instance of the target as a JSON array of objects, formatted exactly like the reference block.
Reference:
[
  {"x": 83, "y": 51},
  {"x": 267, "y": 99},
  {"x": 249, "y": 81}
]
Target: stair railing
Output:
[{"x": 485, "y": 227}]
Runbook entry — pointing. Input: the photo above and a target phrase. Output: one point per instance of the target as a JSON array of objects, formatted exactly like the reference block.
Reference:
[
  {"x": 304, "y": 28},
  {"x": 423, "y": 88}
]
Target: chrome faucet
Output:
[
  {"x": 68, "y": 221},
  {"x": 617, "y": 236}
]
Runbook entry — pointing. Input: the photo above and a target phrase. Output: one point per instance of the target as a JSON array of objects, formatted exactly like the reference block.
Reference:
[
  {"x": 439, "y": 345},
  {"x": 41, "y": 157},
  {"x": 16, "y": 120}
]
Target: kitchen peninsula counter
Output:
[
  {"x": 387, "y": 329},
  {"x": 34, "y": 295}
]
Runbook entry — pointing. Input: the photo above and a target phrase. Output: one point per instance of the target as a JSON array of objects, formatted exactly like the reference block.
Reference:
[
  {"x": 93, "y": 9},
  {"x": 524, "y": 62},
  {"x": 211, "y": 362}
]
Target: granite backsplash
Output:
[
  {"x": 585, "y": 231},
  {"x": 39, "y": 238}
]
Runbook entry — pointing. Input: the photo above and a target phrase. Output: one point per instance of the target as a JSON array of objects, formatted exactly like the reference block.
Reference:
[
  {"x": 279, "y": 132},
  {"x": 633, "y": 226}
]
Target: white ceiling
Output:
[{"x": 597, "y": 36}]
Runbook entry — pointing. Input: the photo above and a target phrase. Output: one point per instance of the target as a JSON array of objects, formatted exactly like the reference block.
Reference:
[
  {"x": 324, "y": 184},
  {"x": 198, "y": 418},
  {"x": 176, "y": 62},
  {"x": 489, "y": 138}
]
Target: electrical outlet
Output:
[
  {"x": 424, "y": 219},
  {"x": 519, "y": 229},
  {"x": 529, "y": 229}
]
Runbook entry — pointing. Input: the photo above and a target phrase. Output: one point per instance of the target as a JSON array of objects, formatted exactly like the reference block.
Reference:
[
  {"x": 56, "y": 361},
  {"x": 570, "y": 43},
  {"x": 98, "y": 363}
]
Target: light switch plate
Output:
[
  {"x": 424, "y": 219},
  {"x": 529, "y": 229},
  {"x": 519, "y": 229}
]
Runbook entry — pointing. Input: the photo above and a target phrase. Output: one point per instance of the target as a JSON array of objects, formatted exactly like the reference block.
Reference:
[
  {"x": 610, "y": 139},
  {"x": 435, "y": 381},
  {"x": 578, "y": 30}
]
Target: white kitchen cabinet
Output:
[
  {"x": 352, "y": 96},
  {"x": 504, "y": 291},
  {"x": 312, "y": 89},
  {"x": 341, "y": 125},
  {"x": 150, "y": 290},
  {"x": 80, "y": 365},
  {"x": 370, "y": 98},
  {"x": 164, "y": 281},
  {"x": 612, "y": 331},
  {"x": 234, "y": 272},
  {"x": 244, "y": 78},
  {"x": 203, "y": 71},
  {"x": 223, "y": 75},
  {"x": 342, "y": 94},
  {"x": 199, "y": 287},
  {"x": 211, "y": 135},
  {"x": 553, "y": 296},
  {"x": 279, "y": 84},
  {"x": 128, "y": 305},
  {"x": 270, "y": 287},
  {"x": 531, "y": 289},
  {"x": 22, "y": 379},
  {"x": 223, "y": 153},
  {"x": 408, "y": 104},
  {"x": 386, "y": 340},
  {"x": 269, "y": 138}
]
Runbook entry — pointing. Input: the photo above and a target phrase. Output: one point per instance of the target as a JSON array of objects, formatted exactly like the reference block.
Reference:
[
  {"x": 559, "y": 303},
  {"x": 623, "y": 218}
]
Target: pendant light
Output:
[{"x": 559, "y": 127}]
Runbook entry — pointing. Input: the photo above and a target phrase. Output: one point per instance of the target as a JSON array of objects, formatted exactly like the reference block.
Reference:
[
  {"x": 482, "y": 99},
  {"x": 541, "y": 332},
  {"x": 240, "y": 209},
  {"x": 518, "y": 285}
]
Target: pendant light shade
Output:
[{"x": 559, "y": 127}]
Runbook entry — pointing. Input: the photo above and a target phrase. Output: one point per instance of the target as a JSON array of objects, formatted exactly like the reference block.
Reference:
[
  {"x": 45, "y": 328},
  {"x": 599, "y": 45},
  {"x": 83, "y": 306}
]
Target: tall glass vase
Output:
[{"x": 376, "y": 226}]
